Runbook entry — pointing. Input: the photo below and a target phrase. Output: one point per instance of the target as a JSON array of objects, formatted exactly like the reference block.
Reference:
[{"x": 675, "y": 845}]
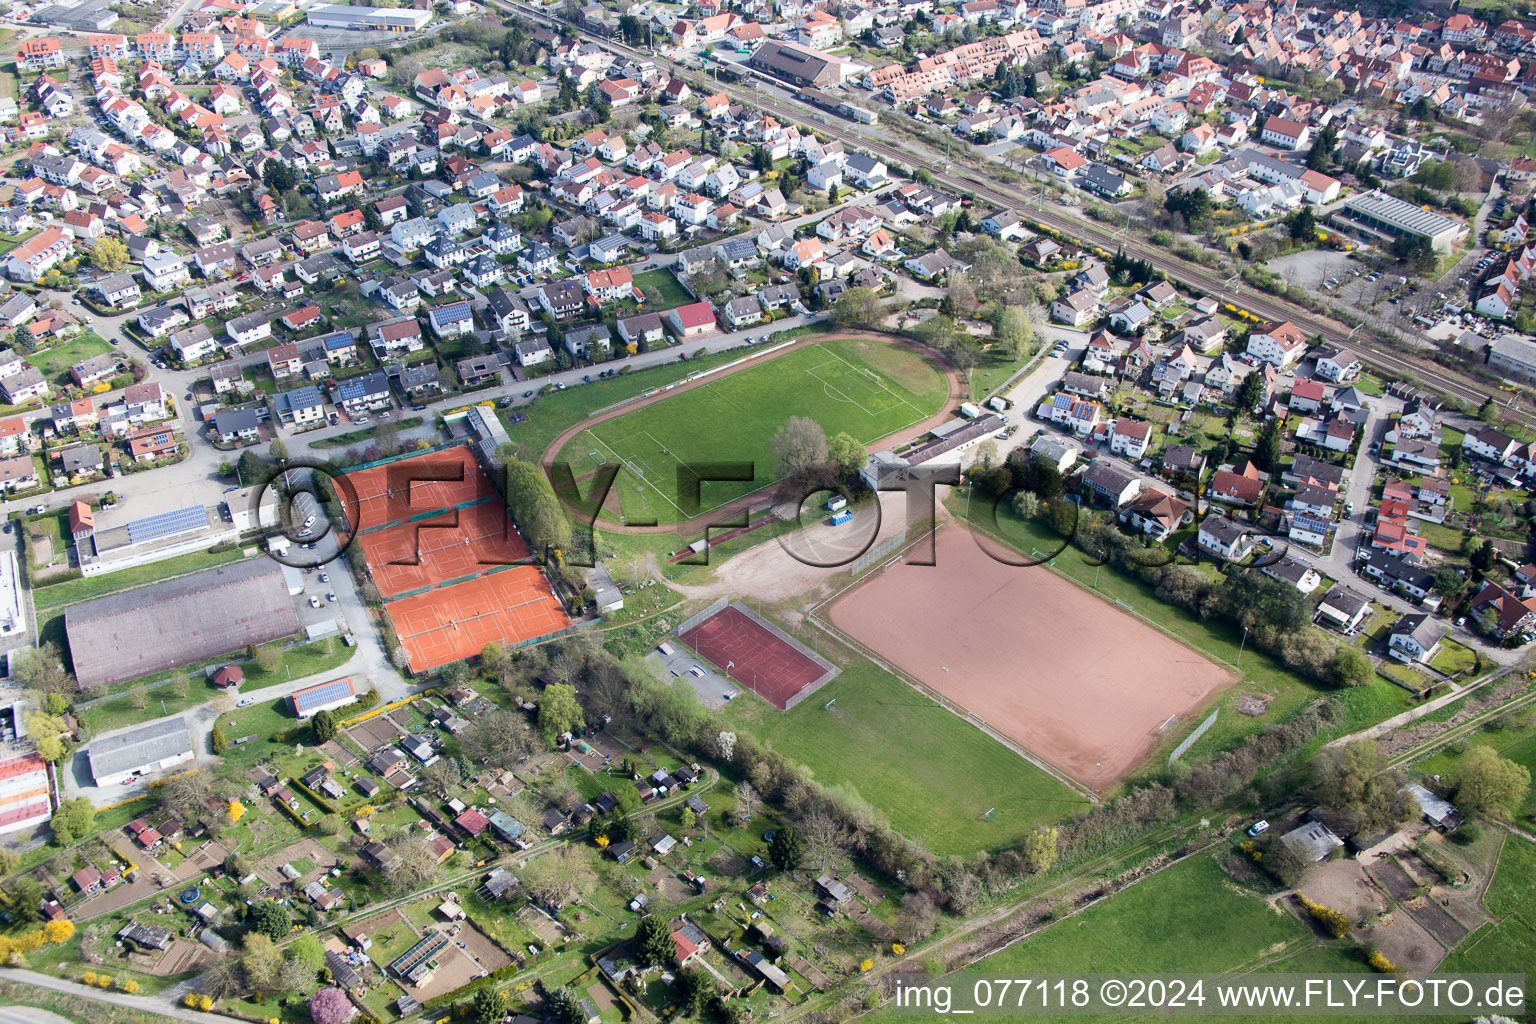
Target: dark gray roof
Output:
[
  {"x": 141, "y": 747},
  {"x": 149, "y": 629}
]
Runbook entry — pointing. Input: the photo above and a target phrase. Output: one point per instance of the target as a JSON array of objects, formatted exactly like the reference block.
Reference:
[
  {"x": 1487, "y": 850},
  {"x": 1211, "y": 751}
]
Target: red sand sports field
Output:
[
  {"x": 458, "y": 543},
  {"x": 380, "y": 501},
  {"x": 758, "y": 659},
  {"x": 1063, "y": 673},
  {"x": 446, "y": 623},
  {"x": 456, "y": 622}
]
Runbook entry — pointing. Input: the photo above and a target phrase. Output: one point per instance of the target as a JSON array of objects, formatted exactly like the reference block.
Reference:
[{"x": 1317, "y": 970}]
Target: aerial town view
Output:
[{"x": 623, "y": 511}]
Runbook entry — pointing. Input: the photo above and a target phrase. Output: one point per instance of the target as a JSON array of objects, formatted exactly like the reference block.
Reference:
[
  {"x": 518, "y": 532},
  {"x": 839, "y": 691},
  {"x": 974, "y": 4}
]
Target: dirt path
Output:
[
  {"x": 953, "y": 377},
  {"x": 782, "y": 570}
]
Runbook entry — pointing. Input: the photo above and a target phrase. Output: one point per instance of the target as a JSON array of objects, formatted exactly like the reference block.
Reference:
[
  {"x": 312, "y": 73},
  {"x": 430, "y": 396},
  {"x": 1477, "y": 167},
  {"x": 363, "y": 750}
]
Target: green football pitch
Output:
[{"x": 868, "y": 389}]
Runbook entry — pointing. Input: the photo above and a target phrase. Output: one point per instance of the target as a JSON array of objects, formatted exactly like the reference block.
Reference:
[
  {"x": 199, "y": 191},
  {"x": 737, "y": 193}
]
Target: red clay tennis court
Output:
[
  {"x": 770, "y": 665},
  {"x": 456, "y": 622},
  {"x": 387, "y": 494},
  {"x": 458, "y": 543}
]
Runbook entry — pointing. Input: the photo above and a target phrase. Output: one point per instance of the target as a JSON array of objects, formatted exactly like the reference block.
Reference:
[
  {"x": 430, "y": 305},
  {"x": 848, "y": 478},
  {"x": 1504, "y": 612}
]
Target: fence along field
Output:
[{"x": 868, "y": 389}]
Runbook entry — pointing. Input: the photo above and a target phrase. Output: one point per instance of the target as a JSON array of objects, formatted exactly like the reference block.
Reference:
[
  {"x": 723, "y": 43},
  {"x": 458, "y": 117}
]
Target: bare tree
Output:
[
  {"x": 799, "y": 444},
  {"x": 607, "y": 689},
  {"x": 824, "y": 835},
  {"x": 414, "y": 866},
  {"x": 564, "y": 668},
  {"x": 747, "y": 800},
  {"x": 221, "y": 978},
  {"x": 499, "y": 739},
  {"x": 559, "y": 877},
  {"x": 441, "y": 775},
  {"x": 919, "y": 916}
]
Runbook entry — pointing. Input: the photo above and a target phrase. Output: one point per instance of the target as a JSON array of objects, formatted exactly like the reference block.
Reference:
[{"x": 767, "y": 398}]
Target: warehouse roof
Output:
[
  {"x": 146, "y": 745},
  {"x": 174, "y": 622}
]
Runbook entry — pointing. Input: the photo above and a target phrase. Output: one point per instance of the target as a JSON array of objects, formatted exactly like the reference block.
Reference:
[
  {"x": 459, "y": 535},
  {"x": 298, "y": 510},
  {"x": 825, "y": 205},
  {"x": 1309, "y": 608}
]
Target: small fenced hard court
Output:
[
  {"x": 387, "y": 493},
  {"x": 452, "y": 545},
  {"x": 452, "y": 623},
  {"x": 756, "y": 654}
]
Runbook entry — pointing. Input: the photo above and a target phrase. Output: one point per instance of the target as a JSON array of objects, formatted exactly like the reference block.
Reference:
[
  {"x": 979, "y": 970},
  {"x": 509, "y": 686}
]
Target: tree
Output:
[
  {"x": 694, "y": 990},
  {"x": 73, "y": 821},
  {"x": 269, "y": 659},
  {"x": 1485, "y": 556},
  {"x": 1489, "y": 783},
  {"x": 918, "y": 918},
  {"x": 217, "y": 741},
  {"x": 42, "y": 669},
  {"x": 295, "y": 977},
  {"x": 786, "y": 849},
  {"x": 261, "y": 960},
  {"x": 1269, "y": 446},
  {"x": 268, "y": 918},
  {"x": 799, "y": 444},
  {"x": 414, "y": 865},
  {"x": 1303, "y": 224},
  {"x": 1039, "y": 849},
  {"x": 1014, "y": 331},
  {"x": 1449, "y": 583},
  {"x": 1320, "y": 156},
  {"x": 179, "y": 684},
  {"x": 109, "y": 255},
  {"x": 55, "y": 703},
  {"x": 534, "y": 506},
  {"x": 1350, "y": 667},
  {"x": 49, "y": 733},
  {"x": 823, "y": 834},
  {"x": 221, "y": 978},
  {"x": 490, "y": 1005},
  {"x": 558, "y": 878},
  {"x": 278, "y": 450},
  {"x": 497, "y": 739},
  {"x": 330, "y": 1006},
  {"x": 564, "y": 1007},
  {"x": 846, "y": 452},
  {"x": 559, "y": 712},
  {"x": 1025, "y": 504},
  {"x": 307, "y": 950},
  {"x": 687, "y": 820},
  {"x": 455, "y": 674},
  {"x": 653, "y": 941},
  {"x": 138, "y": 696},
  {"x": 27, "y": 896},
  {"x": 747, "y": 800},
  {"x": 1353, "y": 782},
  {"x": 1193, "y": 204},
  {"x": 1415, "y": 252},
  {"x": 278, "y": 176},
  {"x": 959, "y": 298},
  {"x": 324, "y": 724},
  {"x": 858, "y": 307},
  {"x": 1250, "y": 393}
]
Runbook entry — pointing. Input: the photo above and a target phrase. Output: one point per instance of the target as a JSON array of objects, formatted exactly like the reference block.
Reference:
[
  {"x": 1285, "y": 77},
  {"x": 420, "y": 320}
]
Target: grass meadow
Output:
[
  {"x": 1509, "y": 944},
  {"x": 868, "y": 389},
  {"x": 932, "y": 774}
]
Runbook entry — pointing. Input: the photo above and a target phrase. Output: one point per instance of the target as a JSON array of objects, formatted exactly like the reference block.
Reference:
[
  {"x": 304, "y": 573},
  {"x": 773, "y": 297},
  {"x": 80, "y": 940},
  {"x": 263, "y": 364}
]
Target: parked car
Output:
[{"x": 1258, "y": 828}]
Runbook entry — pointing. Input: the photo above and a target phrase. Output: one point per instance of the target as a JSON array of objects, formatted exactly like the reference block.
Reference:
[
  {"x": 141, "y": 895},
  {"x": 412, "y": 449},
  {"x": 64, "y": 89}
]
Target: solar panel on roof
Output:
[
  {"x": 193, "y": 517},
  {"x": 336, "y": 689}
]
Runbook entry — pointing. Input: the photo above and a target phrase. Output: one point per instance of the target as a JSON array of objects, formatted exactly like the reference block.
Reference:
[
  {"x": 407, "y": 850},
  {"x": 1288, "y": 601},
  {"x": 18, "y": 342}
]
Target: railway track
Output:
[{"x": 1186, "y": 272}]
